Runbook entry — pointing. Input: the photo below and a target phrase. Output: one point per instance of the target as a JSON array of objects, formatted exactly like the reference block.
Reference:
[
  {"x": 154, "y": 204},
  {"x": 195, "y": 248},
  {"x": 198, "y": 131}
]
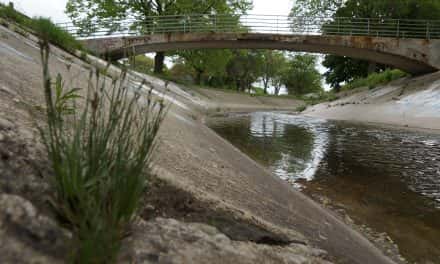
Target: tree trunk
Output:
[
  {"x": 266, "y": 84},
  {"x": 199, "y": 77},
  {"x": 372, "y": 66},
  {"x": 159, "y": 62}
]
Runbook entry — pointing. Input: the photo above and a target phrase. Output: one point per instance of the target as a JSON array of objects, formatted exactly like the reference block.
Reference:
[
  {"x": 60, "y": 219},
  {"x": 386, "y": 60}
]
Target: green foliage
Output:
[
  {"x": 244, "y": 69},
  {"x": 258, "y": 91},
  {"x": 320, "y": 97},
  {"x": 99, "y": 148},
  {"x": 181, "y": 73},
  {"x": 46, "y": 29},
  {"x": 240, "y": 69},
  {"x": 342, "y": 69},
  {"x": 273, "y": 65},
  {"x": 9, "y": 13},
  {"x": 64, "y": 97},
  {"x": 86, "y": 13},
  {"x": 205, "y": 64},
  {"x": 315, "y": 8},
  {"x": 375, "y": 79},
  {"x": 301, "y": 76},
  {"x": 142, "y": 63},
  {"x": 42, "y": 27},
  {"x": 301, "y": 108},
  {"x": 407, "y": 9}
]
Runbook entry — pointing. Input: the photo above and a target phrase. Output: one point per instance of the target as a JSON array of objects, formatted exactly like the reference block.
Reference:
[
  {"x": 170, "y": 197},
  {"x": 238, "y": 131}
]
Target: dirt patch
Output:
[{"x": 167, "y": 201}]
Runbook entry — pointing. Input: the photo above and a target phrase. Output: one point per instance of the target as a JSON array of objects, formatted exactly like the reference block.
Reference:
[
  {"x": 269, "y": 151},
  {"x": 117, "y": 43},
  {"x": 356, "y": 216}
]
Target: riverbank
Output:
[
  {"x": 244, "y": 213},
  {"x": 408, "y": 102}
]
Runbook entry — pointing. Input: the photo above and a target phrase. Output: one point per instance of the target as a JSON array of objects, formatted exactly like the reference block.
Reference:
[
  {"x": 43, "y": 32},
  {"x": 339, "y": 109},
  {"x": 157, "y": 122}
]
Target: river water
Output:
[{"x": 387, "y": 179}]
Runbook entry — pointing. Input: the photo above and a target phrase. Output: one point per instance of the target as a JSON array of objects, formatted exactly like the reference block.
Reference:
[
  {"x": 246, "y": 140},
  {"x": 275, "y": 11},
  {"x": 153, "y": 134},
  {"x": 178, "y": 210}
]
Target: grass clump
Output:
[
  {"x": 9, "y": 13},
  {"x": 375, "y": 79},
  {"x": 43, "y": 27},
  {"x": 99, "y": 147},
  {"x": 301, "y": 108},
  {"x": 46, "y": 29}
]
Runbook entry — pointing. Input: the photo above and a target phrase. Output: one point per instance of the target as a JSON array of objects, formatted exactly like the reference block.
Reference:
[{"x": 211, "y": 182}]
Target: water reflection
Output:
[
  {"x": 388, "y": 179},
  {"x": 271, "y": 138}
]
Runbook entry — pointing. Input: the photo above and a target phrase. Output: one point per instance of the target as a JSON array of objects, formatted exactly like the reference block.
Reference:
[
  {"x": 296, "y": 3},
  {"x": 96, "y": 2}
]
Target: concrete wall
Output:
[{"x": 416, "y": 56}]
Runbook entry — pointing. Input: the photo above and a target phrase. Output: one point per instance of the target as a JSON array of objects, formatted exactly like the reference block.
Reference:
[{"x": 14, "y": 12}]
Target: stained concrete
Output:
[{"x": 415, "y": 56}]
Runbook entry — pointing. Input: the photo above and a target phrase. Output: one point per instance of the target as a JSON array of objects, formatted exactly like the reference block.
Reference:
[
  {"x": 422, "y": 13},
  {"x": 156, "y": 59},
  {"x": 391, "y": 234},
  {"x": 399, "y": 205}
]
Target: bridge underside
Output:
[{"x": 415, "y": 56}]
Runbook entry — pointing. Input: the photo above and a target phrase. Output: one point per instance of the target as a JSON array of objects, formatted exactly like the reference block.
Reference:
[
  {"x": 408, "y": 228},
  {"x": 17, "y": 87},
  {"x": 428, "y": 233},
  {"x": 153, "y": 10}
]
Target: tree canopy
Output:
[
  {"x": 274, "y": 64},
  {"x": 301, "y": 77},
  {"x": 87, "y": 13},
  {"x": 344, "y": 69},
  {"x": 206, "y": 64}
]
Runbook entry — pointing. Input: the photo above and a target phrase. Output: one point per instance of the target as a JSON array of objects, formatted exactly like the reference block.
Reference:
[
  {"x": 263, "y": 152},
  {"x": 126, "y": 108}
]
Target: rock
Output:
[
  {"x": 5, "y": 124},
  {"x": 348, "y": 219},
  {"x": 6, "y": 90},
  {"x": 26, "y": 236},
  {"x": 170, "y": 241},
  {"x": 25, "y": 134}
]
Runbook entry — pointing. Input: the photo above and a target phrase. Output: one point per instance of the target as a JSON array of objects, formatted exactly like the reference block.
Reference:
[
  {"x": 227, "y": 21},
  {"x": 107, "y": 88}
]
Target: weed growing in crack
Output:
[{"x": 99, "y": 147}]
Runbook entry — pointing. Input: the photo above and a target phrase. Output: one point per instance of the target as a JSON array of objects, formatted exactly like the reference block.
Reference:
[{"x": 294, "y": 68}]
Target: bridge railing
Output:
[{"x": 204, "y": 23}]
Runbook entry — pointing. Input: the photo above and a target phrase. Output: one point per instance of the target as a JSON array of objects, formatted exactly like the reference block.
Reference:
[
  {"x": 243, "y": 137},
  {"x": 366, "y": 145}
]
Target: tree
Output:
[
  {"x": 315, "y": 8},
  {"x": 280, "y": 77},
  {"x": 181, "y": 72},
  {"x": 206, "y": 63},
  {"x": 272, "y": 65},
  {"x": 301, "y": 76},
  {"x": 144, "y": 64},
  {"x": 244, "y": 69},
  {"x": 86, "y": 14},
  {"x": 344, "y": 69}
]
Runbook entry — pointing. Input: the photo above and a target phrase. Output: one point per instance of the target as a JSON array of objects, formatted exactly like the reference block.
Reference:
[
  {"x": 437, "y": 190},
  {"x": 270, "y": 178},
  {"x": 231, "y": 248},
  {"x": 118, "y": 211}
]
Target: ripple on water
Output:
[{"x": 386, "y": 178}]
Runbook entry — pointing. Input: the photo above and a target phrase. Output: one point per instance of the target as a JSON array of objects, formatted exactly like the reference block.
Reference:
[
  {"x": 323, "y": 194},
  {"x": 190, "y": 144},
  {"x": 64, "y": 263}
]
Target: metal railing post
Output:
[
  {"x": 368, "y": 31},
  {"x": 427, "y": 30},
  {"x": 339, "y": 26},
  {"x": 398, "y": 29}
]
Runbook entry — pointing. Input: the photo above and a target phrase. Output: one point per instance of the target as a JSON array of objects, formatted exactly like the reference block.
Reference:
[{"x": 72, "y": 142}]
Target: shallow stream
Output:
[{"x": 383, "y": 178}]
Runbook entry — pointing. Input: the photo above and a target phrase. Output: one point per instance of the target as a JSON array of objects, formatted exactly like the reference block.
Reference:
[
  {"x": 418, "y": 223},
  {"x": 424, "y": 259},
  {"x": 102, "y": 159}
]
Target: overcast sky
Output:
[{"x": 55, "y": 8}]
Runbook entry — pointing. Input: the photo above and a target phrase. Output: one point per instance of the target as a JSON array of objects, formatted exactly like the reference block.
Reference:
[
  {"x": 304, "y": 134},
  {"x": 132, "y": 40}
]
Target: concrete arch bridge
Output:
[{"x": 410, "y": 45}]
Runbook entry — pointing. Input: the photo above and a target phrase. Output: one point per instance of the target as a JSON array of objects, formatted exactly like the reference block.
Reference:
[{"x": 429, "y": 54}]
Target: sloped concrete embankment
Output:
[{"x": 409, "y": 102}]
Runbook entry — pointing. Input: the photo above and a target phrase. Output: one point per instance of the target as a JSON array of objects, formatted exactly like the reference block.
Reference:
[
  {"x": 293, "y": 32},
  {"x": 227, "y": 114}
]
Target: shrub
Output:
[
  {"x": 43, "y": 27},
  {"x": 301, "y": 108},
  {"x": 375, "y": 79},
  {"x": 99, "y": 148},
  {"x": 8, "y": 12},
  {"x": 46, "y": 29}
]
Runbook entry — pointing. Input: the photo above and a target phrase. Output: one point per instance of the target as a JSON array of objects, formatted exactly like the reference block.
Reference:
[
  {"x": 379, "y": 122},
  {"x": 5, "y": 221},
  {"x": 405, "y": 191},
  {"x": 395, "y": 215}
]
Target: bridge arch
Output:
[
  {"x": 410, "y": 45},
  {"x": 415, "y": 56}
]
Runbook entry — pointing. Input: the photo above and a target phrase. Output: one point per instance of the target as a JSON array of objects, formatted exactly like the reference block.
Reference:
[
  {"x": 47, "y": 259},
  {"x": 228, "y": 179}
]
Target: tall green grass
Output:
[
  {"x": 43, "y": 27},
  {"x": 99, "y": 147},
  {"x": 8, "y": 12},
  {"x": 57, "y": 36},
  {"x": 375, "y": 79}
]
